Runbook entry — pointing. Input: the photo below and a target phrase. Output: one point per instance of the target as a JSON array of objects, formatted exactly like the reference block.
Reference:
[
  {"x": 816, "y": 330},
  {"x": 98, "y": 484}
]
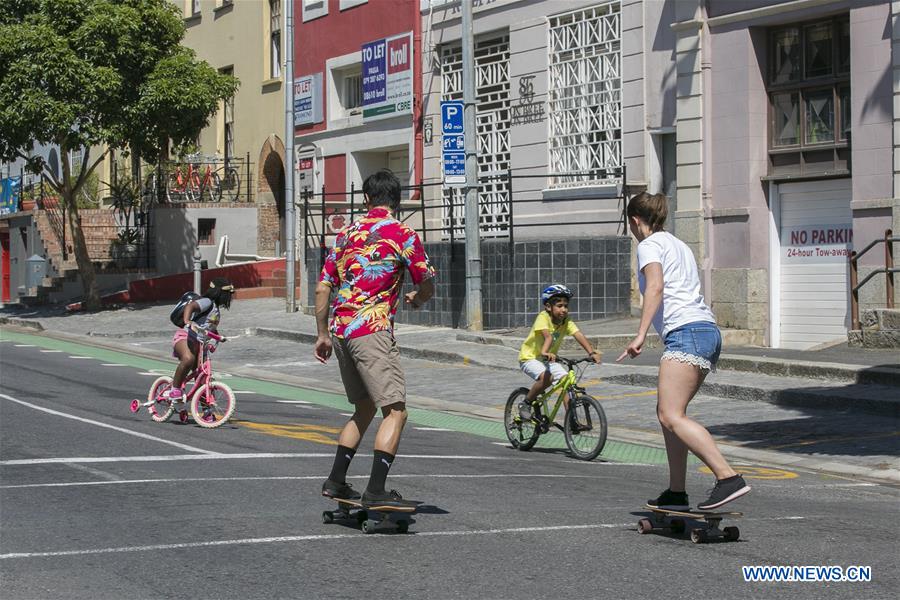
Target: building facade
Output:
[
  {"x": 245, "y": 39},
  {"x": 786, "y": 157}
]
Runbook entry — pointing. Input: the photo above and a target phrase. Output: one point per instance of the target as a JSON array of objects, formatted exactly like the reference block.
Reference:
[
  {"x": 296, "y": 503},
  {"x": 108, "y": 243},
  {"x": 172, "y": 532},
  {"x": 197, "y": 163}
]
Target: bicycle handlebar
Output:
[
  {"x": 216, "y": 336},
  {"x": 572, "y": 362}
]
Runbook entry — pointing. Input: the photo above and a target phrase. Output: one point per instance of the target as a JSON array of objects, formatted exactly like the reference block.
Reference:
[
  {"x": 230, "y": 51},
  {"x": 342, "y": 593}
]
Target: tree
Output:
[{"x": 107, "y": 74}]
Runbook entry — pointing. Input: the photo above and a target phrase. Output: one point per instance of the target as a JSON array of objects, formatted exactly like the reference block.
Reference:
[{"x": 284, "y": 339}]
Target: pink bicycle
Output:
[{"x": 211, "y": 403}]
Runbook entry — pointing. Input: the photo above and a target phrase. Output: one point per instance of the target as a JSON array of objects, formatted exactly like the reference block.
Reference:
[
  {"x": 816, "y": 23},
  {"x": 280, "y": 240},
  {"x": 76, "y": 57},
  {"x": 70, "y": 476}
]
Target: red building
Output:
[{"x": 357, "y": 96}]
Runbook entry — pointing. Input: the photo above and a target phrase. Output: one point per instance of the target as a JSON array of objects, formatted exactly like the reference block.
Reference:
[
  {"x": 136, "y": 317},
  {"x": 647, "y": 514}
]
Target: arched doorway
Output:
[{"x": 270, "y": 200}]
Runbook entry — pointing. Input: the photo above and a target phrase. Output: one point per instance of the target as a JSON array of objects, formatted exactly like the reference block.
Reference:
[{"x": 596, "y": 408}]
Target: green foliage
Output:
[{"x": 81, "y": 73}]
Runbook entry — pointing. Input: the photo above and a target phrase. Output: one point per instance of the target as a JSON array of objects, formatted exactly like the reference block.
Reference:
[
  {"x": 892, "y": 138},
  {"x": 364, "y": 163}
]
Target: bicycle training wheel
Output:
[
  {"x": 518, "y": 421},
  {"x": 212, "y": 405},
  {"x": 162, "y": 408},
  {"x": 585, "y": 428}
]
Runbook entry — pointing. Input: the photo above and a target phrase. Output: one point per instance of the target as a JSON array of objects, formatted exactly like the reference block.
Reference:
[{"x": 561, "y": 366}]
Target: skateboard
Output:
[
  {"x": 674, "y": 521},
  {"x": 369, "y": 518}
]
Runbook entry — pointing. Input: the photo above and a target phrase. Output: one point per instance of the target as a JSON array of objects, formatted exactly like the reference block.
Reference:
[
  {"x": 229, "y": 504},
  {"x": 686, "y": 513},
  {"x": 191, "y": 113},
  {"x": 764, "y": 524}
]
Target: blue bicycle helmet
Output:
[{"x": 555, "y": 290}]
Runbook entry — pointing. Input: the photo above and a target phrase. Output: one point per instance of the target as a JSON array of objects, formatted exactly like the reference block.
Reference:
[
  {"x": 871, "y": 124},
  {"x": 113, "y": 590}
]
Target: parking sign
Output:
[{"x": 453, "y": 143}]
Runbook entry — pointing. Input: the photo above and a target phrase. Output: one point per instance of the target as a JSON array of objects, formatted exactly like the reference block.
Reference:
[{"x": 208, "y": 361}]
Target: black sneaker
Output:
[
  {"x": 725, "y": 491},
  {"x": 392, "y": 499},
  {"x": 670, "y": 500},
  {"x": 344, "y": 491}
]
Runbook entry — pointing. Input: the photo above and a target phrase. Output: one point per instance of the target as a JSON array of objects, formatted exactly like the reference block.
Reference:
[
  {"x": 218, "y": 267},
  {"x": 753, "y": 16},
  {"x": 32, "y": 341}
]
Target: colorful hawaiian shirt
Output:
[{"x": 367, "y": 266}]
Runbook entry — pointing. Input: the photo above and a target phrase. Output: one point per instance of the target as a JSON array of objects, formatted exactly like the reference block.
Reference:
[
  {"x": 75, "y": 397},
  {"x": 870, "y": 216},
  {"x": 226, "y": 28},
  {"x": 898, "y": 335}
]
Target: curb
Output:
[
  {"x": 827, "y": 399},
  {"x": 21, "y": 323}
]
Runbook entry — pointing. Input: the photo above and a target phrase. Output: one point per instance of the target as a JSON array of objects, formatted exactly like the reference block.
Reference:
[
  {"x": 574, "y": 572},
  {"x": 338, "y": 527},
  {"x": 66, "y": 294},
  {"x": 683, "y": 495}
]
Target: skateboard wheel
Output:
[
  {"x": 402, "y": 526},
  {"x": 645, "y": 526},
  {"x": 732, "y": 534},
  {"x": 368, "y": 526},
  {"x": 135, "y": 406},
  {"x": 677, "y": 525},
  {"x": 328, "y": 517},
  {"x": 361, "y": 516},
  {"x": 699, "y": 536}
]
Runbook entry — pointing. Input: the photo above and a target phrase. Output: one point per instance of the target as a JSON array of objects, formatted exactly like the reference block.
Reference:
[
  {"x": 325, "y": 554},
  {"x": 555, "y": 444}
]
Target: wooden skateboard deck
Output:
[
  {"x": 355, "y": 510},
  {"x": 674, "y": 522}
]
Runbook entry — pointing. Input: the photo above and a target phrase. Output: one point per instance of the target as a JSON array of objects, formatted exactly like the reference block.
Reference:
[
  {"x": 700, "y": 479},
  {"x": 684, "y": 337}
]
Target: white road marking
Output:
[
  {"x": 148, "y": 373},
  {"x": 112, "y": 365},
  {"x": 219, "y": 456},
  {"x": 243, "y": 392},
  {"x": 99, "y": 424},
  {"x": 305, "y": 538},
  {"x": 51, "y": 351},
  {"x": 82, "y": 357},
  {"x": 108, "y": 481},
  {"x": 432, "y": 429},
  {"x": 24, "y": 345},
  {"x": 292, "y": 402}
]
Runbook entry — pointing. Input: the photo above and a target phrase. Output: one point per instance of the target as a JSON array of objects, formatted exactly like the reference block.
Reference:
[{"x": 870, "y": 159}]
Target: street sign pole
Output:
[{"x": 473, "y": 232}]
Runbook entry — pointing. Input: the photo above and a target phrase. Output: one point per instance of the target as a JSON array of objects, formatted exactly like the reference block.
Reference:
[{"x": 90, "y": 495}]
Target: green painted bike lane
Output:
[{"x": 613, "y": 450}]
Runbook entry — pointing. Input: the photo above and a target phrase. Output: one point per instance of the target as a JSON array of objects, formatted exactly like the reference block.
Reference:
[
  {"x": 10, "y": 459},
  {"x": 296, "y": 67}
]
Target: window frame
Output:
[
  {"x": 275, "y": 47},
  {"x": 803, "y": 86},
  {"x": 210, "y": 238}
]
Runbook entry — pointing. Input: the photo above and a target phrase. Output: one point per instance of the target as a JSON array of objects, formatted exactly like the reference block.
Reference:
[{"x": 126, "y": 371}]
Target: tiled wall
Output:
[{"x": 596, "y": 269}]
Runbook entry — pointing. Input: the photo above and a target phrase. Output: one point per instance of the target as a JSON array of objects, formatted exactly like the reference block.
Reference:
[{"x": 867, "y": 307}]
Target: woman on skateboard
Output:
[{"x": 668, "y": 280}]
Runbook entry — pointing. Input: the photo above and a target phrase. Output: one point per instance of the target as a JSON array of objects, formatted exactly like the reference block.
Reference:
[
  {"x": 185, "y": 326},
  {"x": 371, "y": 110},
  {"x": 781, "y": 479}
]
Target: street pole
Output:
[
  {"x": 289, "y": 207},
  {"x": 473, "y": 233}
]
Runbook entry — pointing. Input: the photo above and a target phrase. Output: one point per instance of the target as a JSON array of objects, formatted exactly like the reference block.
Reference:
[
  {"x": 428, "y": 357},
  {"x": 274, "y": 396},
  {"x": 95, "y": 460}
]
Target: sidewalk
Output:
[{"x": 772, "y": 395}]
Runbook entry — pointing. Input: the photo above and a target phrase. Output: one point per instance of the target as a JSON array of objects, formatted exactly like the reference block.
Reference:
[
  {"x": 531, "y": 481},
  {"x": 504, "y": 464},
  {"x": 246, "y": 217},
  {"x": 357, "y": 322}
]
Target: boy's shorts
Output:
[
  {"x": 370, "y": 368},
  {"x": 535, "y": 369}
]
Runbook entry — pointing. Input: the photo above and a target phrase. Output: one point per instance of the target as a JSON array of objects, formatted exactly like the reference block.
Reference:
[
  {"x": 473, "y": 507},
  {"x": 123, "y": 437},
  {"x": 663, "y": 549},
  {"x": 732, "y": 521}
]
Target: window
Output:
[
  {"x": 809, "y": 97},
  {"x": 313, "y": 9},
  {"x": 274, "y": 38},
  {"x": 206, "y": 232},
  {"x": 352, "y": 91},
  {"x": 228, "y": 121},
  {"x": 585, "y": 95},
  {"x": 195, "y": 8}
]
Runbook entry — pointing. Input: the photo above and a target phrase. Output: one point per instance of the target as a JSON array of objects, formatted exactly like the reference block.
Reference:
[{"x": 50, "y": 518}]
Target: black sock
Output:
[
  {"x": 342, "y": 459},
  {"x": 381, "y": 464}
]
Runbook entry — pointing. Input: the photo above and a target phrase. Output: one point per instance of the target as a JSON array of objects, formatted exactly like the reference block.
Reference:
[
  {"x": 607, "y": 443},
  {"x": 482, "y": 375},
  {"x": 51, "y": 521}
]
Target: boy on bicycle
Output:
[{"x": 537, "y": 356}]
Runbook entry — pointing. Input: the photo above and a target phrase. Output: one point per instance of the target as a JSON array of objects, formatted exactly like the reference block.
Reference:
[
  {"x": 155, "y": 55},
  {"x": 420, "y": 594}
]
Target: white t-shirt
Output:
[{"x": 682, "y": 302}]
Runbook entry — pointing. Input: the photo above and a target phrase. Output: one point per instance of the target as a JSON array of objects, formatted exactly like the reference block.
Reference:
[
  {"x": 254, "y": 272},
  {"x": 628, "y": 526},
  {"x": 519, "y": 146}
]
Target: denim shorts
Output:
[{"x": 695, "y": 343}]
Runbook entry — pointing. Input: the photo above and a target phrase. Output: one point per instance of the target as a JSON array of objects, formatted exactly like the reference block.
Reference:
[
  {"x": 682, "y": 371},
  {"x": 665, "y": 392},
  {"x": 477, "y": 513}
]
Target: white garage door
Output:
[{"x": 816, "y": 237}]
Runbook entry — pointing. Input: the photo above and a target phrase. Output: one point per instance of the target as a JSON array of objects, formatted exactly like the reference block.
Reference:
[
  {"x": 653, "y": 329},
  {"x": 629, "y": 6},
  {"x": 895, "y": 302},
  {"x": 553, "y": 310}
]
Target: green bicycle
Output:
[{"x": 584, "y": 423}]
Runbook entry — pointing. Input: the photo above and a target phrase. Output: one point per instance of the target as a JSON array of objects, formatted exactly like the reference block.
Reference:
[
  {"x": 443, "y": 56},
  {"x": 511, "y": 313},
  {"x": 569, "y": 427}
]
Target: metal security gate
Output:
[{"x": 816, "y": 236}]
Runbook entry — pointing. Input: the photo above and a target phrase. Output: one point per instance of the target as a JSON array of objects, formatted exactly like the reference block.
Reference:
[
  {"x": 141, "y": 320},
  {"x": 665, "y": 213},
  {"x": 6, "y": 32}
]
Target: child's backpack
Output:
[{"x": 177, "y": 315}]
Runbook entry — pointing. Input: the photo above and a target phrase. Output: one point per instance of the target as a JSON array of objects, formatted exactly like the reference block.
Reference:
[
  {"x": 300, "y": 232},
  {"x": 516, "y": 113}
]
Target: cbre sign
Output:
[{"x": 387, "y": 77}]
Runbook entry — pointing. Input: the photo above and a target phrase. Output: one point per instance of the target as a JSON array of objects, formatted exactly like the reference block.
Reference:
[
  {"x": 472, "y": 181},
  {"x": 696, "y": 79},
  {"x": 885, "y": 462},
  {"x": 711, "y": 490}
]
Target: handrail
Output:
[{"x": 888, "y": 270}]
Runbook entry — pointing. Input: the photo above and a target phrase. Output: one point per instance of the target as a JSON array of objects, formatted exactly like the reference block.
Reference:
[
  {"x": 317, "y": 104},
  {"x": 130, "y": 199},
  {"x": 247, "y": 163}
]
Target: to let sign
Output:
[{"x": 387, "y": 82}]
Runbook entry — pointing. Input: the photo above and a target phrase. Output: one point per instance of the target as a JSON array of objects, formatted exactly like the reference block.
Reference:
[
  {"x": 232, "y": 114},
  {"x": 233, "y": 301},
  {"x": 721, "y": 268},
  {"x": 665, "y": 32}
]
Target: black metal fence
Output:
[
  {"x": 325, "y": 213},
  {"x": 200, "y": 178}
]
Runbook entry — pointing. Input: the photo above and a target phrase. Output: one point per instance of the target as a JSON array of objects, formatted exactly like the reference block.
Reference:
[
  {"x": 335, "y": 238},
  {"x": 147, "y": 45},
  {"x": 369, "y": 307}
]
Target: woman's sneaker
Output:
[
  {"x": 343, "y": 491},
  {"x": 725, "y": 491},
  {"x": 670, "y": 500}
]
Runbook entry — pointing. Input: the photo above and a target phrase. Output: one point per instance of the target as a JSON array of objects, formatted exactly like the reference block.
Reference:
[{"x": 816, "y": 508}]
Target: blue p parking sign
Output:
[{"x": 453, "y": 143}]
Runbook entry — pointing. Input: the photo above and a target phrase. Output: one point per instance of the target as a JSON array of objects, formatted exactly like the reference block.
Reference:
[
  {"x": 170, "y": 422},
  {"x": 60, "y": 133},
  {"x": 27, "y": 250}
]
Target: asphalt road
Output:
[{"x": 96, "y": 502}]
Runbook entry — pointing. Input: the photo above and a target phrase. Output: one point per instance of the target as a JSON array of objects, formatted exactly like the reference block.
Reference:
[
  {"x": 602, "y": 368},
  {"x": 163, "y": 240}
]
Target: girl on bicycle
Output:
[
  {"x": 200, "y": 316},
  {"x": 670, "y": 284}
]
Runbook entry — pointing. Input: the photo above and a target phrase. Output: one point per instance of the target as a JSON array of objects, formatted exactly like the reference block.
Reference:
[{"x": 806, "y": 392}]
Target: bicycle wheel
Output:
[
  {"x": 162, "y": 408},
  {"x": 230, "y": 184},
  {"x": 585, "y": 428},
  {"x": 212, "y": 405},
  {"x": 518, "y": 421}
]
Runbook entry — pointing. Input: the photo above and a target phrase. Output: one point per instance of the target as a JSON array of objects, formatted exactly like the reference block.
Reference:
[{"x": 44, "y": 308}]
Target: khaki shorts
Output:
[{"x": 370, "y": 368}]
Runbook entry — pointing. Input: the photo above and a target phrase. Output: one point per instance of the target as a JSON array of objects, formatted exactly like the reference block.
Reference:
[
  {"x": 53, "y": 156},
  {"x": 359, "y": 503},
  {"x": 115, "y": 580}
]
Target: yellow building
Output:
[{"x": 244, "y": 38}]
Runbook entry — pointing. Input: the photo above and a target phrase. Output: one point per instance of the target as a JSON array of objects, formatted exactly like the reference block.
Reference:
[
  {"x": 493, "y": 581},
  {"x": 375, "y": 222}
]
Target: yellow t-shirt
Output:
[{"x": 531, "y": 347}]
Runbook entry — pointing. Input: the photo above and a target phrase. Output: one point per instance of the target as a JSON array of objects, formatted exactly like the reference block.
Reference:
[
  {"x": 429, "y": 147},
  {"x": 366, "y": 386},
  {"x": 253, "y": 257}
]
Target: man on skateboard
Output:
[{"x": 366, "y": 268}]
